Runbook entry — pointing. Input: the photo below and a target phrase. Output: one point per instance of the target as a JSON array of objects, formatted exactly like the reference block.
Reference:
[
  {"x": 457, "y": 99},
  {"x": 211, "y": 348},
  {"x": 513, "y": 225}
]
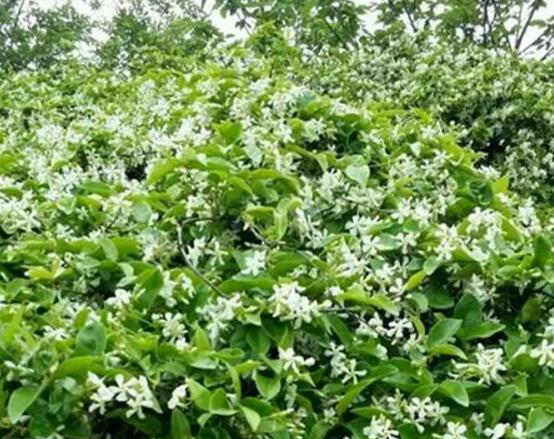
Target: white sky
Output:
[{"x": 227, "y": 25}]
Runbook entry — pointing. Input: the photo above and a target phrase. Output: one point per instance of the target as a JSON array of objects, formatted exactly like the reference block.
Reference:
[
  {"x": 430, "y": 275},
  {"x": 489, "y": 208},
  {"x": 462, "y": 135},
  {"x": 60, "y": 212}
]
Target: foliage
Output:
[
  {"x": 221, "y": 252},
  {"x": 499, "y": 105},
  {"x": 147, "y": 28},
  {"x": 520, "y": 26},
  {"x": 38, "y": 38},
  {"x": 316, "y": 23},
  {"x": 136, "y": 40}
]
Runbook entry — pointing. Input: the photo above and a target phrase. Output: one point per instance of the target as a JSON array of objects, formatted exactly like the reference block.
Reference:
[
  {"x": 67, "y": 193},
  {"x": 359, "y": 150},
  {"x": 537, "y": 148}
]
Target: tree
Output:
[
  {"x": 315, "y": 23},
  {"x": 518, "y": 26},
  {"x": 31, "y": 36},
  {"x": 178, "y": 28}
]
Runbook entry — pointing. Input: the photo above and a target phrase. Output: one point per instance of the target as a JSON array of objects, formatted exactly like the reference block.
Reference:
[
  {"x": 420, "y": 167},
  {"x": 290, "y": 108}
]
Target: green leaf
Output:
[
  {"x": 543, "y": 251},
  {"x": 39, "y": 273},
  {"x": 376, "y": 374},
  {"x": 531, "y": 310},
  {"x": 469, "y": 309},
  {"x": 151, "y": 282},
  {"x": 142, "y": 212},
  {"x": 381, "y": 301},
  {"x": 534, "y": 401},
  {"x": 538, "y": 419},
  {"x": 252, "y": 417},
  {"x": 341, "y": 329},
  {"x": 497, "y": 403},
  {"x": 448, "y": 349},
  {"x": 161, "y": 169},
  {"x": 280, "y": 215},
  {"x": 109, "y": 248},
  {"x": 78, "y": 366},
  {"x": 230, "y": 131},
  {"x": 268, "y": 387},
  {"x": 258, "y": 340},
  {"x": 409, "y": 431},
  {"x": 180, "y": 427},
  {"x": 419, "y": 302},
  {"x": 358, "y": 173},
  {"x": 20, "y": 400},
  {"x": 97, "y": 187},
  {"x": 199, "y": 394},
  {"x": 456, "y": 391},
  {"x": 91, "y": 340},
  {"x": 430, "y": 265},
  {"x": 438, "y": 298},
  {"x": 201, "y": 340},
  {"x": 442, "y": 331},
  {"x": 219, "y": 405},
  {"x": 149, "y": 425},
  {"x": 483, "y": 330},
  {"x": 415, "y": 280},
  {"x": 319, "y": 430}
]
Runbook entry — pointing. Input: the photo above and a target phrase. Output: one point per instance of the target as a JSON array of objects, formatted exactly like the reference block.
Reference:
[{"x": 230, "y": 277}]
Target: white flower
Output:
[
  {"x": 488, "y": 365},
  {"x": 102, "y": 394},
  {"x": 497, "y": 432},
  {"x": 173, "y": 328},
  {"x": 136, "y": 393},
  {"x": 289, "y": 35},
  {"x": 454, "y": 430},
  {"x": 293, "y": 362},
  {"x": 196, "y": 251},
  {"x": 167, "y": 290},
  {"x": 313, "y": 129},
  {"x": 487, "y": 218},
  {"x": 403, "y": 210},
  {"x": 549, "y": 329},
  {"x": 341, "y": 366},
  {"x": 255, "y": 263},
  {"x": 219, "y": 314},
  {"x": 425, "y": 412},
  {"x": 407, "y": 240},
  {"x": 381, "y": 428},
  {"x": 58, "y": 334},
  {"x": 289, "y": 304},
  {"x": 177, "y": 397},
  {"x": 476, "y": 286},
  {"x": 519, "y": 431},
  {"x": 121, "y": 298},
  {"x": 398, "y": 328},
  {"x": 545, "y": 353}
]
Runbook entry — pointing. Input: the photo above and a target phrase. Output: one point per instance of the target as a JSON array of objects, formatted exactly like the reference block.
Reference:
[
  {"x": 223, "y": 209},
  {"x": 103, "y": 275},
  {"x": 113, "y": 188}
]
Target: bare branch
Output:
[
  {"x": 503, "y": 29},
  {"x": 411, "y": 20},
  {"x": 16, "y": 18},
  {"x": 548, "y": 53},
  {"x": 534, "y": 8},
  {"x": 336, "y": 34},
  {"x": 485, "y": 21}
]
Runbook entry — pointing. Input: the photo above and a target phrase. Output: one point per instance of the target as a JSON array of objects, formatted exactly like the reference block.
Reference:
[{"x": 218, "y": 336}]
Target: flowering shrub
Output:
[
  {"x": 501, "y": 105},
  {"x": 224, "y": 253}
]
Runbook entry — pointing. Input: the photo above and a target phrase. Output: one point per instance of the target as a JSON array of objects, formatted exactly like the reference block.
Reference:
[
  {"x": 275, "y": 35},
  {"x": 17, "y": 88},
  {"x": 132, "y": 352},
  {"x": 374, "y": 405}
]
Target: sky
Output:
[{"x": 107, "y": 8}]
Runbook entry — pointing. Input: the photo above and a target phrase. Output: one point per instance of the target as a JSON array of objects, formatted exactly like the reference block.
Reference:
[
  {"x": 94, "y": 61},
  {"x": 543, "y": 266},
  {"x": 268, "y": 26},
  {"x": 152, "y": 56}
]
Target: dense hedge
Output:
[
  {"x": 501, "y": 105},
  {"x": 223, "y": 253}
]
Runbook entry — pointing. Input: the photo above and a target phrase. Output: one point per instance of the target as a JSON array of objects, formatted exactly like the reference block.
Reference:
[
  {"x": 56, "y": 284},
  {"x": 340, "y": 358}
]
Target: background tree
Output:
[
  {"x": 519, "y": 26},
  {"x": 31, "y": 36},
  {"x": 316, "y": 23},
  {"x": 176, "y": 28}
]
